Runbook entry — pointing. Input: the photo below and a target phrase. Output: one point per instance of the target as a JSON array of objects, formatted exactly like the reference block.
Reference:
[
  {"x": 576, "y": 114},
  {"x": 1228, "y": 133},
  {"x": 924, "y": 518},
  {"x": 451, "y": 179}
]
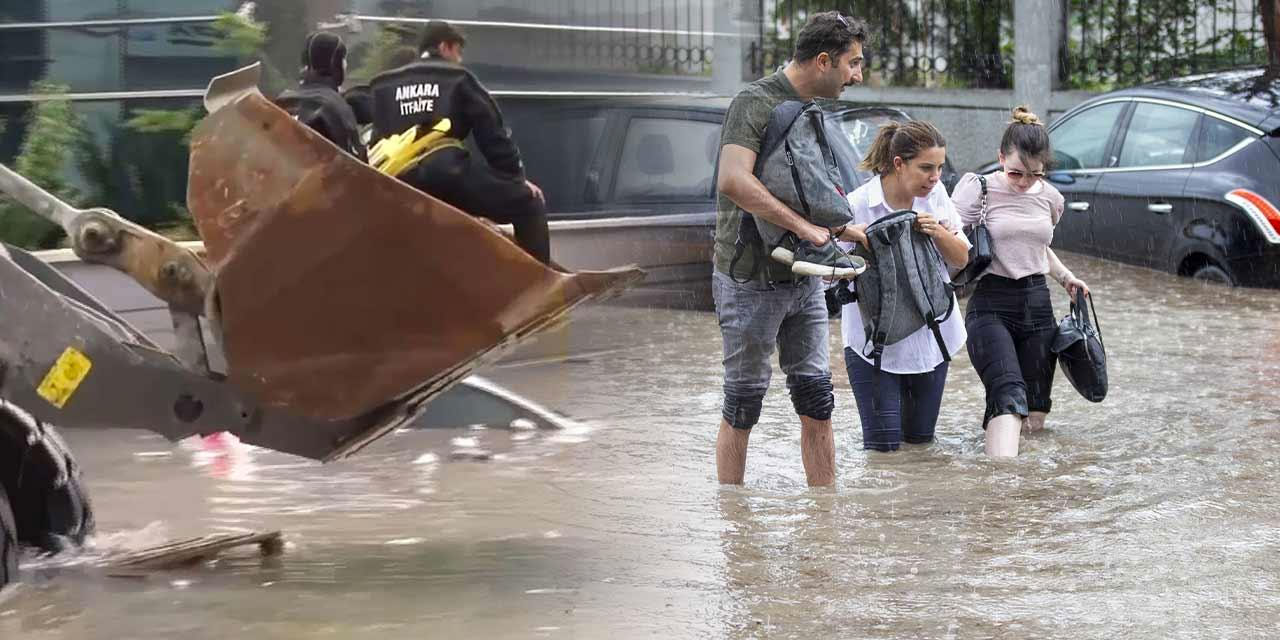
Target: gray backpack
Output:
[
  {"x": 801, "y": 162},
  {"x": 905, "y": 286}
]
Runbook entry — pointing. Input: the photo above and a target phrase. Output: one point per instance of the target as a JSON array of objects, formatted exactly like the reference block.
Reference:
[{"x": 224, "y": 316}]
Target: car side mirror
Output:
[{"x": 1062, "y": 177}]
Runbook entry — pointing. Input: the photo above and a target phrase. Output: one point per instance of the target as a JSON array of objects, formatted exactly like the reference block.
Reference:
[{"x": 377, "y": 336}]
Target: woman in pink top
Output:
[{"x": 1010, "y": 319}]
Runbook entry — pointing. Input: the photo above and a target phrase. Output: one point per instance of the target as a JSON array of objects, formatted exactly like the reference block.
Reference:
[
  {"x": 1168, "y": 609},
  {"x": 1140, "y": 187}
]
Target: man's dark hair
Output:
[
  {"x": 438, "y": 32},
  {"x": 831, "y": 33}
]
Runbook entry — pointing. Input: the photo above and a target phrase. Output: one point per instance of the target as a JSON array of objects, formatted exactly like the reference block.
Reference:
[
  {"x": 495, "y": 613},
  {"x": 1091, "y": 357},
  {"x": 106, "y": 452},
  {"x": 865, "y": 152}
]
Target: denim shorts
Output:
[{"x": 755, "y": 320}]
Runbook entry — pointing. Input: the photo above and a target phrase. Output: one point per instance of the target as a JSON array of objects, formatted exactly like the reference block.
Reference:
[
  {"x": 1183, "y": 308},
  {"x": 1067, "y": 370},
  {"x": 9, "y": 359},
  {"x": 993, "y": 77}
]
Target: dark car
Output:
[
  {"x": 1181, "y": 175},
  {"x": 631, "y": 179}
]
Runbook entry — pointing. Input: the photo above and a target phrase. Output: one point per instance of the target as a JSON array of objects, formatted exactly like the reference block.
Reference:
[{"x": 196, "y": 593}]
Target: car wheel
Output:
[
  {"x": 51, "y": 510},
  {"x": 8, "y": 543},
  {"x": 1212, "y": 273}
]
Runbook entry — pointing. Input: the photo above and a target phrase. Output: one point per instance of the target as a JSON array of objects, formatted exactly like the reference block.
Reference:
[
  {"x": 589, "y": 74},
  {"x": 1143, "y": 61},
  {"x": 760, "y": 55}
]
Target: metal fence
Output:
[
  {"x": 655, "y": 36},
  {"x": 1110, "y": 43},
  {"x": 949, "y": 43}
]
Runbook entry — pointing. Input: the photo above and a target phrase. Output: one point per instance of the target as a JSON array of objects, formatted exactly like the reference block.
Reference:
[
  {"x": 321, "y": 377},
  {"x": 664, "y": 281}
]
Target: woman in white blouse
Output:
[{"x": 900, "y": 401}]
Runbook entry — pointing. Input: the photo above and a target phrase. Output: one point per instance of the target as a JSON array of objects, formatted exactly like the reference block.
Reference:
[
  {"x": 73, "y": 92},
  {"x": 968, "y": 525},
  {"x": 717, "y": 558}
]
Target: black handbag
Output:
[
  {"x": 980, "y": 250},
  {"x": 1081, "y": 354}
]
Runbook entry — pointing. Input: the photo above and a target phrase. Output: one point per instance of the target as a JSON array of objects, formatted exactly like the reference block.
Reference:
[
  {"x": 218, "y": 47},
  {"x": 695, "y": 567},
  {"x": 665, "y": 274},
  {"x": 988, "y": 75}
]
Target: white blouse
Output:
[{"x": 918, "y": 352}]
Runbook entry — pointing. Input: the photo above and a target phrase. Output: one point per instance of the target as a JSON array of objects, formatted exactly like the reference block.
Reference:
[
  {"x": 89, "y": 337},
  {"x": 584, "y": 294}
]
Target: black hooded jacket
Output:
[
  {"x": 423, "y": 92},
  {"x": 317, "y": 104}
]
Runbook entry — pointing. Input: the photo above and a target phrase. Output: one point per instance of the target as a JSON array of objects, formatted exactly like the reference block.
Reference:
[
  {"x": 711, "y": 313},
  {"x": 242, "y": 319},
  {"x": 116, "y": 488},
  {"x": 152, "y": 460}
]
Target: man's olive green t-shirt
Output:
[{"x": 744, "y": 126}]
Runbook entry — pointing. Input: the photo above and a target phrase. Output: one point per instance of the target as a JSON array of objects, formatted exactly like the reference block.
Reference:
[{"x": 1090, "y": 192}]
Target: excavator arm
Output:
[{"x": 341, "y": 300}]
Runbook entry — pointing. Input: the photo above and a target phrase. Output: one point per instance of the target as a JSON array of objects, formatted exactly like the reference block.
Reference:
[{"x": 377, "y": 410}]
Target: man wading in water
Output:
[{"x": 781, "y": 308}]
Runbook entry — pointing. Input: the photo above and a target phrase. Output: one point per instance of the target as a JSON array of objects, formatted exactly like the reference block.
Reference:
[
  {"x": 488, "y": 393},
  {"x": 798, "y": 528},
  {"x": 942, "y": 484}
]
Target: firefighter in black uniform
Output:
[
  {"x": 437, "y": 86},
  {"x": 316, "y": 102}
]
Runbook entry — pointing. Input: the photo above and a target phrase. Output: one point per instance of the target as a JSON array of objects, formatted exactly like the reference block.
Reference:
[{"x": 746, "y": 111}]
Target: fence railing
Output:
[
  {"x": 952, "y": 43},
  {"x": 1108, "y": 43},
  {"x": 666, "y": 36}
]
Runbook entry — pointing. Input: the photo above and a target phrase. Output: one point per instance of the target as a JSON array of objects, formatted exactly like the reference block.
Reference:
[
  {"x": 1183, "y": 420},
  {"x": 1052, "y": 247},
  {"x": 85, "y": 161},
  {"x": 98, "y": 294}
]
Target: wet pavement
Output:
[{"x": 1151, "y": 515}]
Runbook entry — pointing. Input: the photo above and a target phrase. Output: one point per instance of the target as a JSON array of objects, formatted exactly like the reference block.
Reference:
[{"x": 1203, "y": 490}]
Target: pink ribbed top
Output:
[{"x": 1021, "y": 224}]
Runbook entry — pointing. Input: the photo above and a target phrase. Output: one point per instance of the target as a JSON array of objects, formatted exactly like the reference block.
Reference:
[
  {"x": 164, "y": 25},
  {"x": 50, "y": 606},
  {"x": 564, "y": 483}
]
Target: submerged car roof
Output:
[{"x": 1247, "y": 95}]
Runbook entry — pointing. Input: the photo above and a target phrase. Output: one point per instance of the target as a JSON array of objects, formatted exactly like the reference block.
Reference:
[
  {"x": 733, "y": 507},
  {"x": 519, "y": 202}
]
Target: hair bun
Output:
[{"x": 1023, "y": 115}]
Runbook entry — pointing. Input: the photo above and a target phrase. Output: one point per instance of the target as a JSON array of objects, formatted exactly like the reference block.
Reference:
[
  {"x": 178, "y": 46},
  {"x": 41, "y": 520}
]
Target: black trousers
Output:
[
  {"x": 450, "y": 175},
  {"x": 1011, "y": 327}
]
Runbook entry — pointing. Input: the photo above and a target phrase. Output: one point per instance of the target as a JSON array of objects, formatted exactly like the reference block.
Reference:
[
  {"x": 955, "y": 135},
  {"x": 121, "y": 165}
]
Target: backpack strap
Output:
[
  {"x": 886, "y": 263},
  {"x": 919, "y": 295},
  {"x": 781, "y": 119}
]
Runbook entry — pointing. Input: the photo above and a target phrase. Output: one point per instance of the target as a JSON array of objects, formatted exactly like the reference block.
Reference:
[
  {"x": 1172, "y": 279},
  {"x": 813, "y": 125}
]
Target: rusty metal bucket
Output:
[{"x": 338, "y": 289}]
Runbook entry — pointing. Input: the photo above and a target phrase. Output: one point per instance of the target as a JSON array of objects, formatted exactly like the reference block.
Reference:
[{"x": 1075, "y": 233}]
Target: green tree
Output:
[
  {"x": 1270, "y": 10},
  {"x": 51, "y": 136},
  {"x": 375, "y": 55},
  {"x": 911, "y": 45},
  {"x": 1129, "y": 42}
]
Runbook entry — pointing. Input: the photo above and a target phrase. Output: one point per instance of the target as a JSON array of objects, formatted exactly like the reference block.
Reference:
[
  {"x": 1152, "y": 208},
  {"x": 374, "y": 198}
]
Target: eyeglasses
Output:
[
  {"x": 1018, "y": 175},
  {"x": 844, "y": 22}
]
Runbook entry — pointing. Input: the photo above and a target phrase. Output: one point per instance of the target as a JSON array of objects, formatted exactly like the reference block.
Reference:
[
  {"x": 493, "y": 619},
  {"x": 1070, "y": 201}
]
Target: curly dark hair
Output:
[{"x": 831, "y": 33}]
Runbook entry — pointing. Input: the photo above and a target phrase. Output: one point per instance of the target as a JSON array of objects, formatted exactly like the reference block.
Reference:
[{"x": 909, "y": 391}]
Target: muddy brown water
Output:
[{"x": 1151, "y": 515}]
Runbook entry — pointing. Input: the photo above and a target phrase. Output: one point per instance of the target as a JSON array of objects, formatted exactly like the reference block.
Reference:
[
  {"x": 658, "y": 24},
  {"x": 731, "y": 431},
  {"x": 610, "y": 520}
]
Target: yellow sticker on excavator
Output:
[{"x": 64, "y": 377}]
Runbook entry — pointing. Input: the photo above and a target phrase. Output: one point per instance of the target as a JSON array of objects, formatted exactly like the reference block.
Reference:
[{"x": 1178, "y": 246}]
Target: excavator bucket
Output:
[{"x": 340, "y": 290}]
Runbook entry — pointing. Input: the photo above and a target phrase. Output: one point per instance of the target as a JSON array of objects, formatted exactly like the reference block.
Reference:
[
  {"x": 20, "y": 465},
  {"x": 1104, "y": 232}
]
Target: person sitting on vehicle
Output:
[
  {"x": 316, "y": 101},
  {"x": 360, "y": 97},
  {"x": 436, "y": 87}
]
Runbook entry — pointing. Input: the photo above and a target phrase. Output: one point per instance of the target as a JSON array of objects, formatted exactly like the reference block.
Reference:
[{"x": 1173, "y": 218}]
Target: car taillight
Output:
[{"x": 1264, "y": 215}]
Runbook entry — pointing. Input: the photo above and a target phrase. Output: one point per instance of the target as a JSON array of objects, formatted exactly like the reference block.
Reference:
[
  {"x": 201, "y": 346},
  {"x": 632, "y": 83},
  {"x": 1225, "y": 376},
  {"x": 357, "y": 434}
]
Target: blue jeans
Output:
[
  {"x": 754, "y": 322},
  {"x": 895, "y": 407}
]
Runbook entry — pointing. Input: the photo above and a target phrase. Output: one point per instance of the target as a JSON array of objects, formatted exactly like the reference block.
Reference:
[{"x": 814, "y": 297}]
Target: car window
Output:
[
  {"x": 862, "y": 130},
  {"x": 1158, "y": 135},
  {"x": 557, "y": 151},
  {"x": 1080, "y": 142},
  {"x": 1216, "y": 136},
  {"x": 666, "y": 159}
]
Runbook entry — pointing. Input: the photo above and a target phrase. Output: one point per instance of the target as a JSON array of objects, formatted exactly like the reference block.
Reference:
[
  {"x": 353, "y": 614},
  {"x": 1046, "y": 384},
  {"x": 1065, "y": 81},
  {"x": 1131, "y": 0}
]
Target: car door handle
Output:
[
  {"x": 1160, "y": 207},
  {"x": 1079, "y": 206}
]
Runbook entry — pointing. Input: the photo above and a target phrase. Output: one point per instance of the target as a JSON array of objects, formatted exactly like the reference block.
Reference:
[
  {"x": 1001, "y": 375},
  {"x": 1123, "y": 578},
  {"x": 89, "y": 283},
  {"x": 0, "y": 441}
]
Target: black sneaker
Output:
[{"x": 828, "y": 260}]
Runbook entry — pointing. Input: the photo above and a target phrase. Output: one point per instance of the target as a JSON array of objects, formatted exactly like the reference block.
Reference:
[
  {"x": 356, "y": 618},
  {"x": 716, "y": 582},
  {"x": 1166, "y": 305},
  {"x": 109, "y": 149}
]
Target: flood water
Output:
[{"x": 1151, "y": 515}]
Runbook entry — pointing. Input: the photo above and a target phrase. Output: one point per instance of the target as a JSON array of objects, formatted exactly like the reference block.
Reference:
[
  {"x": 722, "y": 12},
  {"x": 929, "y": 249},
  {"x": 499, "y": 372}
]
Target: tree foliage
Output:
[
  {"x": 953, "y": 42},
  {"x": 52, "y": 131},
  {"x": 1129, "y": 42}
]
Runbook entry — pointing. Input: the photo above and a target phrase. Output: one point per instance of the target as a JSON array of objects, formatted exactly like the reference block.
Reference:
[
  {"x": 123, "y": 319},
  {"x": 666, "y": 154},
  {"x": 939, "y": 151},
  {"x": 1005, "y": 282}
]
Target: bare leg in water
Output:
[
  {"x": 1034, "y": 422},
  {"x": 731, "y": 453},
  {"x": 1002, "y": 435},
  {"x": 817, "y": 452}
]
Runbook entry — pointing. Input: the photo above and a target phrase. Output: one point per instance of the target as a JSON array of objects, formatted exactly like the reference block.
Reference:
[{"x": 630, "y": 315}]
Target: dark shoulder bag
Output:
[
  {"x": 1081, "y": 355},
  {"x": 980, "y": 250}
]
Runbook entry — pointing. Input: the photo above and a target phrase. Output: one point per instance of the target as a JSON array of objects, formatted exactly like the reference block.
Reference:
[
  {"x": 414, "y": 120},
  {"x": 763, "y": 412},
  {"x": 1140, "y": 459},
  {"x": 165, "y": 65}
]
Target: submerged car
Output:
[
  {"x": 1181, "y": 175},
  {"x": 631, "y": 180}
]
